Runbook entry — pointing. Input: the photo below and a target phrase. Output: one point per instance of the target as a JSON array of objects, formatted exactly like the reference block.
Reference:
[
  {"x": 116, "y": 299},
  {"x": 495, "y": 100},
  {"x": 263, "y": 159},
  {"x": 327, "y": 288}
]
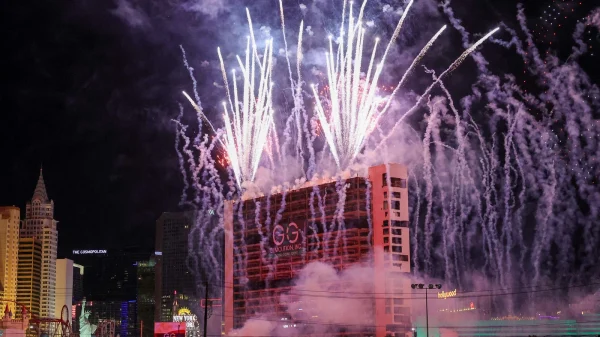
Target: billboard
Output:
[
  {"x": 288, "y": 238},
  {"x": 169, "y": 329}
]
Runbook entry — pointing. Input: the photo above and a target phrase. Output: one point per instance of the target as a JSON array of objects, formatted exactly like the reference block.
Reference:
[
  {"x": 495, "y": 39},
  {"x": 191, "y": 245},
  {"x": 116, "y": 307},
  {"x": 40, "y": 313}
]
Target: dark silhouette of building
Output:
[
  {"x": 145, "y": 296},
  {"x": 171, "y": 273},
  {"x": 109, "y": 275},
  {"x": 78, "y": 273}
]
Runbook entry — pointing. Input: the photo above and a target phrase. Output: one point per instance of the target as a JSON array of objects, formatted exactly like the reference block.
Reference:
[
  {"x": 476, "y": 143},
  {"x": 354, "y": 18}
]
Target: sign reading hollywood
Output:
[
  {"x": 444, "y": 295},
  {"x": 287, "y": 239},
  {"x": 89, "y": 251}
]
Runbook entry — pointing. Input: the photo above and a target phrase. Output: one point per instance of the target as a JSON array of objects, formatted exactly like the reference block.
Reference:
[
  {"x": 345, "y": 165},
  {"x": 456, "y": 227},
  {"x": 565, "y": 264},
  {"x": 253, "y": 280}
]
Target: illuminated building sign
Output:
[
  {"x": 184, "y": 311},
  {"x": 445, "y": 295},
  {"x": 287, "y": 239},
  {"x": 185, "y": 315},
  {"x": 90, "y": 251},
  {"x": 191, "y": 321}
]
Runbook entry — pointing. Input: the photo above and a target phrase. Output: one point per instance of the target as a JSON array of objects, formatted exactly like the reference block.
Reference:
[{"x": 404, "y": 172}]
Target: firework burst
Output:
[
  {"x": 248, "y": 111},
  {"x": 356, "y": 101}
]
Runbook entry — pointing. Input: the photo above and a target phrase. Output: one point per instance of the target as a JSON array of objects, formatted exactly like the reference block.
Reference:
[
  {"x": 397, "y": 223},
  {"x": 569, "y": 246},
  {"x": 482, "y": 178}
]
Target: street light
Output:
[{"x": 421, "y": 286}]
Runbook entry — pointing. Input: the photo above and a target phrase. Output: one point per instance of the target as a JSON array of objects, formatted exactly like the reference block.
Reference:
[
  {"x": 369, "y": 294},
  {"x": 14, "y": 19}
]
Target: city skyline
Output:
[
  {"x": 360, "y": 168},
  {"x": 71, "y": 241},
  {"x": 100, "y": 132}
]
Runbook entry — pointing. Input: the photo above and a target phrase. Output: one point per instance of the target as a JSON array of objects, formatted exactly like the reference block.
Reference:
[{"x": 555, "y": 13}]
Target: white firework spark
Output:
[
  {"x": 354, "y": 104},
  {"x": 353, "y": 97},
  {"x": 248, "y": 112}
]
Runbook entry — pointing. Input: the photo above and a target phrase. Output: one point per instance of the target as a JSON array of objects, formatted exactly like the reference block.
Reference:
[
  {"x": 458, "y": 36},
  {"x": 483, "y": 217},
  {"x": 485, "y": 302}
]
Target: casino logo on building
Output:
[{"x": 287, "y": 239}]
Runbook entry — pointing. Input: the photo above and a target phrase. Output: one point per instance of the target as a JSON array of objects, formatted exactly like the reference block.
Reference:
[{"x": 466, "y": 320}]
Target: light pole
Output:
[{"x": 420, "y": 286}]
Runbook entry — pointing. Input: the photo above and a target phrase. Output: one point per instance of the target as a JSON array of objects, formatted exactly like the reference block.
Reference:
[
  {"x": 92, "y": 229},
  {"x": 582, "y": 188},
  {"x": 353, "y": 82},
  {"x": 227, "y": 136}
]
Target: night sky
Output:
[{"x": 89, "y": 90}]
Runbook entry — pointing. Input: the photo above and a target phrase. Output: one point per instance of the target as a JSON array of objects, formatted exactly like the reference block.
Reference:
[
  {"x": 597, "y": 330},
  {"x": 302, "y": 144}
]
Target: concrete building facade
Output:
[
  {"x": 64, "y": 287},
  {"x": 391, "y": 249},
  {"x": 375, "y": 229},
  {"x": 9, "y": 255},
  {"x": 39, "y": 223},
  {"x": 29, "y": 279}
]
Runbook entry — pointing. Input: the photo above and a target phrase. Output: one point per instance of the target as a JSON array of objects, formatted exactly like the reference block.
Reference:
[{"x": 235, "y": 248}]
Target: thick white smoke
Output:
[{"x": 324, "y": 297}]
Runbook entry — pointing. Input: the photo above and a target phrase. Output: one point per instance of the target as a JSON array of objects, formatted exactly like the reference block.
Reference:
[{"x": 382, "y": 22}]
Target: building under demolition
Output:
[{"x": 342, "y": 223}]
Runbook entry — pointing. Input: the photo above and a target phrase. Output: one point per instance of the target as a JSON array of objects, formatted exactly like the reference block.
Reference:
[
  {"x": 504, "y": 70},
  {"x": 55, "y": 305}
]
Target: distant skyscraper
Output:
[
  {"x": 145, "y": 297},
  {"x": 29, "y": 280},
  {"x": 64, "y": 287},
  {"x": 9, "y": 255},
  {"x": 77, "y": 283},
  {"x": 172, "y": 275},
  {"x": 39, "y": 223}
]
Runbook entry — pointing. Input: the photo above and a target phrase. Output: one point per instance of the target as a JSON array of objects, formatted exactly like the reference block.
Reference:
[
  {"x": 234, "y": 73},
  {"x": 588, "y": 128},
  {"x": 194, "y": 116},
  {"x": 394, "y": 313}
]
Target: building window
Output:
[
  {"x": 402, "y": 258},
  {"x": 386, "y": 240},
  {"x": 396, "y": 240},
  {"x": 396, "y": 249},
  {"x": 385, "y": 205},
  {"x": 399, "y": 224},
  {"x": 399, "y": 319},
  {"x": 386, "y": 223},
  {"x": 397, "y": 182},
  {"x": 395, "y": 204},
  {"x": 386, "y": 249},
  {"x": 386, "y": 231},
  {"x": 396, "y": 231},
  {"x": 396, "y": 195}
]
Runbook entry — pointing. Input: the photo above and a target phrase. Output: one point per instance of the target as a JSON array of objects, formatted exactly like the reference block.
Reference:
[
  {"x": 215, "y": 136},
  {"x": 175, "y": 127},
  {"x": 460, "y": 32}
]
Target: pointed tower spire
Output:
[{"x": 40, "y": 189}]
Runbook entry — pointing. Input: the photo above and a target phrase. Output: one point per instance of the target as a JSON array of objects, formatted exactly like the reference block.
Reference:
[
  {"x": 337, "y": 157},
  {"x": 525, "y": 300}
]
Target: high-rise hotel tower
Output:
[
  {"x": 39, "y": 223},
  {"x": 9, "y": 255},
  {"x": 374, "y": 209}
]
